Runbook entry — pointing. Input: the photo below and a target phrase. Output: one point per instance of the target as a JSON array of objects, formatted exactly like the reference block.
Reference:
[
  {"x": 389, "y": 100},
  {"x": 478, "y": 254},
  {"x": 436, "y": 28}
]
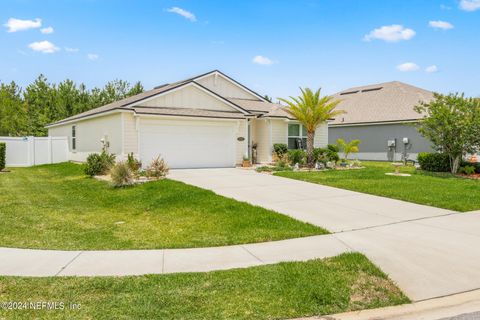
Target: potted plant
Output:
[{"x": 246, "y": 162}]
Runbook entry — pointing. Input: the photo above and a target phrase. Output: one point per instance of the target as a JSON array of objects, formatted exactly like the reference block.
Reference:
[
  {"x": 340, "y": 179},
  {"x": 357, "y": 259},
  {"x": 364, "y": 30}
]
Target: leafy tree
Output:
[
  {"x": 452, "y": 123},
  {"x": 13, "y": 114},
  {"x": 348, "y": 147},
  {"x": 41, "y": 107},
  {"x": 27, "y": 112},
  {"x": 267, "y": 97},
  {"x": 311, "y": 110}
]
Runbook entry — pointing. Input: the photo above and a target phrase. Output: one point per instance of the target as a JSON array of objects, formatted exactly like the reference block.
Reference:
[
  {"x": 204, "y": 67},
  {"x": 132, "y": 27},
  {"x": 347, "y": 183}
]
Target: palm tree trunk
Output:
[{"x": 310, "y": 140}]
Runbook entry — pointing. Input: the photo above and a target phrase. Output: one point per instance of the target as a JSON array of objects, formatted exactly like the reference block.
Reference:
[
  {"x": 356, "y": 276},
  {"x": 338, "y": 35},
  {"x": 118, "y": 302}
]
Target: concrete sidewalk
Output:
[
  {"x": 429, "y": 252},
  {"x": 41, "y": 263}
]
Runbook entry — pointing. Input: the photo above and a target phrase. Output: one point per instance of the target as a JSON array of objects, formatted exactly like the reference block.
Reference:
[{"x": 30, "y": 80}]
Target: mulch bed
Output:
[{"x": 475, "y": 176}]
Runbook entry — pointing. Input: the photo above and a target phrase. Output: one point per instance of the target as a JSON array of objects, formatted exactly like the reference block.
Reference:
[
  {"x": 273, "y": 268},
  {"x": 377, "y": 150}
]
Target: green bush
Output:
[
  {"x": 325, "y": 155},
  {"x": 476, "y": 165},
  {"x": 319, "y": 155},
  {"x": 435, "y": 162},
  {"x": 333, "y": 148},
  {"x": 468, "y": 170},
  {"x": 280, "y": 149},
  {"x": 121, "y": 175},
  {"x": 133, "y": 163},
  {"x": 3, "y": 148},
  {"x": 99, "y": 164},
  {"x": 297, "y": 156}
]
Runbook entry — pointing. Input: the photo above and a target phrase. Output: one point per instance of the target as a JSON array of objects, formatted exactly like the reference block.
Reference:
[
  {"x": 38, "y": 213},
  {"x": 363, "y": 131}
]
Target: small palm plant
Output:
[
  {"x": 348, "y": 147},
  {"x": 311, "y": 110}
]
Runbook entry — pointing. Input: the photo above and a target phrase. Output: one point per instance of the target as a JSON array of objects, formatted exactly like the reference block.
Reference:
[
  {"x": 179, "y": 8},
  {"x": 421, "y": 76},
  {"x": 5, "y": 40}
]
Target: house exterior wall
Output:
[
  {"x": 279, "y": 132},
  {"x": 88, "y": 135},
  {"x": 268, "y": 132},
  {"x": 374, "y": 140},
  {"x": 261, "y": 136},
  {"x": 321, "y": 136},
  {"x": 188, "y": 97},
  {"x": 241, "y": 146},
  {"x": 130, "y": 134},
  {"x": 224, "y": 87}
]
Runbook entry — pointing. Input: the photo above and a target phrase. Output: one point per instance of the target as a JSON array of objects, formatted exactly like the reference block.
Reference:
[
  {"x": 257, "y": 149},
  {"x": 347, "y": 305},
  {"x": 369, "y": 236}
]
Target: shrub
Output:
[
  {"x": 273, "y": 169},
  {"x": 280, "y": 149},
  {"x": 319, "y": 155},
  {"x": 283, "y": 162},
  {"x": 3, "y": 148},
  {"x": 435, "y": 162},
  {"x": 297, "y": 156},
  {"x": 468, "y": 170},
  {"x": 99, "y": 164},
  {"x": 121, "y": 175},
  {"x": 476, "y": 165},
  {"x": 333, "y": 148},
  {"x": 133, "y": 163},
  {"x": 157, "y": 169}
]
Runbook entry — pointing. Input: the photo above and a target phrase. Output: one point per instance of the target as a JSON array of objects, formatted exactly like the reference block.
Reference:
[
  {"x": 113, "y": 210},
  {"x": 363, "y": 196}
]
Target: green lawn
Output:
[
  {"x": 285, "y": 290},
  {"x": 57, "y": 207},
  {"x": 434, "y": 189}
]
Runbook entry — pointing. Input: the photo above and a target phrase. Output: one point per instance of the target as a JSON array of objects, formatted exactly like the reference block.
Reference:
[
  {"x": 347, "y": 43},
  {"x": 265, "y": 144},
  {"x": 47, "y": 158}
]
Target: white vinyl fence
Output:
[{"x": 30, "y": 151}]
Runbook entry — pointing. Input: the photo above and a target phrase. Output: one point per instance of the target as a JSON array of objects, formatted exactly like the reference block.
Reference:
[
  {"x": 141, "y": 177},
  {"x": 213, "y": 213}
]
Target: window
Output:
[
  {"x": 297, "y": 136},
  {"x": 74, "y": 138}
]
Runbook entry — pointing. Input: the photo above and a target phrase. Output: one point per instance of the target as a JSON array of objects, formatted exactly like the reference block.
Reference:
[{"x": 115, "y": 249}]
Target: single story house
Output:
[
  {"x": 382, "y": 116},
  {"x": 209, "y": 120}
]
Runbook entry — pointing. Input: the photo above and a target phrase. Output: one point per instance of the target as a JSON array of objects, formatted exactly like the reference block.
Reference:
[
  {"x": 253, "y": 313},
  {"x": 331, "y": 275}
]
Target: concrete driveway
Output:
[{"x": 429, "y": 252}]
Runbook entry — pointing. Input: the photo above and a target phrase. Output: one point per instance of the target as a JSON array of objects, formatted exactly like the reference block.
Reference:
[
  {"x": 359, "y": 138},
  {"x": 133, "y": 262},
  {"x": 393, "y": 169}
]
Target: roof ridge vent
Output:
[
  {"x": 372, "y": 89},
  {"x": 349, "y": 92}
]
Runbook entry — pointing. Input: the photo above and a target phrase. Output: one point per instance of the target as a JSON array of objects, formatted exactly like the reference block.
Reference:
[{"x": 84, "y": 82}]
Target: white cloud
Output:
[
  {"x": 408, "y": 67},
  {"x": 184, "y": 13},
  {"x": 92, "y": 56},
  {"x": 470, "y": 5},
  {"x": 43, "y": 46},
  {"x": 15, "y": 25},
  {"x": 73, "y": 50},
  {"x": 262, "y": 60},
  {"x": 431, "y": 69},
  {"x": 393, "y": 33},
  {"x": 47, "y": 30},
  {"x": 445, "y": 7},
  {"x": 441, "y": 25}
]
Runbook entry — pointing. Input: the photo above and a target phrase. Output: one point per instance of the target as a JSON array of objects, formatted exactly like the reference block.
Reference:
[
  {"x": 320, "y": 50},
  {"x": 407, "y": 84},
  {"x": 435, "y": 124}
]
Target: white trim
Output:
[
  {"x": 270, "y": 145},
  {"x": 122, "y": 119},
  {"x": 184, "y": 117},
  {"x": 137, "y": 129},
  {"x": 217, "y": 73},
  {"x": 338, "y": 125}
]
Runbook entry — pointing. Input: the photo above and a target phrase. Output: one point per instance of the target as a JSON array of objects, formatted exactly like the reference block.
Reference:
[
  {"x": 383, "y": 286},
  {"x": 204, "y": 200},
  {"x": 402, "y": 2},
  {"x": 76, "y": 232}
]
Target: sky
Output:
[{"x": 271, "y": 46}]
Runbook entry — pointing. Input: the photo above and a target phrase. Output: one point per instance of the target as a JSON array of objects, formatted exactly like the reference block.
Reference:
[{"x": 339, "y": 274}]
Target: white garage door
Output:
[{"x": 188, "y": 143}]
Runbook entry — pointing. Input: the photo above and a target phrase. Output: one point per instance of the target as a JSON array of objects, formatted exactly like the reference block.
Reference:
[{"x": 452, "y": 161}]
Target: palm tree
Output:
[
  {"x": 311, "y": 110},
  {"x": 348, "y": 147}
]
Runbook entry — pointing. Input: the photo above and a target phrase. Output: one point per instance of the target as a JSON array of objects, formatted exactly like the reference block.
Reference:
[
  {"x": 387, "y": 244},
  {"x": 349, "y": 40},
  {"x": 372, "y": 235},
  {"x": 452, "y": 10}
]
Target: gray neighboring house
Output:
[{"x": 382, "y": 116}]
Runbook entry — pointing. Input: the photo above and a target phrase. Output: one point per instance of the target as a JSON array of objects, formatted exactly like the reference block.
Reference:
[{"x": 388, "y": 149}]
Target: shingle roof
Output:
[
  {"x": 266, "y": 109},
  {"x": 383, "y": 102},
  {"x": 122, "y": 104}
]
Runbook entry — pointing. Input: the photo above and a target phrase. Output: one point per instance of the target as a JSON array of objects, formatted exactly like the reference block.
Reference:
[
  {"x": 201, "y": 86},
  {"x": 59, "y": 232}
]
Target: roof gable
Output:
[
  {"x": 226, "y": 86},
  {"x": 190, "y": 95}
]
